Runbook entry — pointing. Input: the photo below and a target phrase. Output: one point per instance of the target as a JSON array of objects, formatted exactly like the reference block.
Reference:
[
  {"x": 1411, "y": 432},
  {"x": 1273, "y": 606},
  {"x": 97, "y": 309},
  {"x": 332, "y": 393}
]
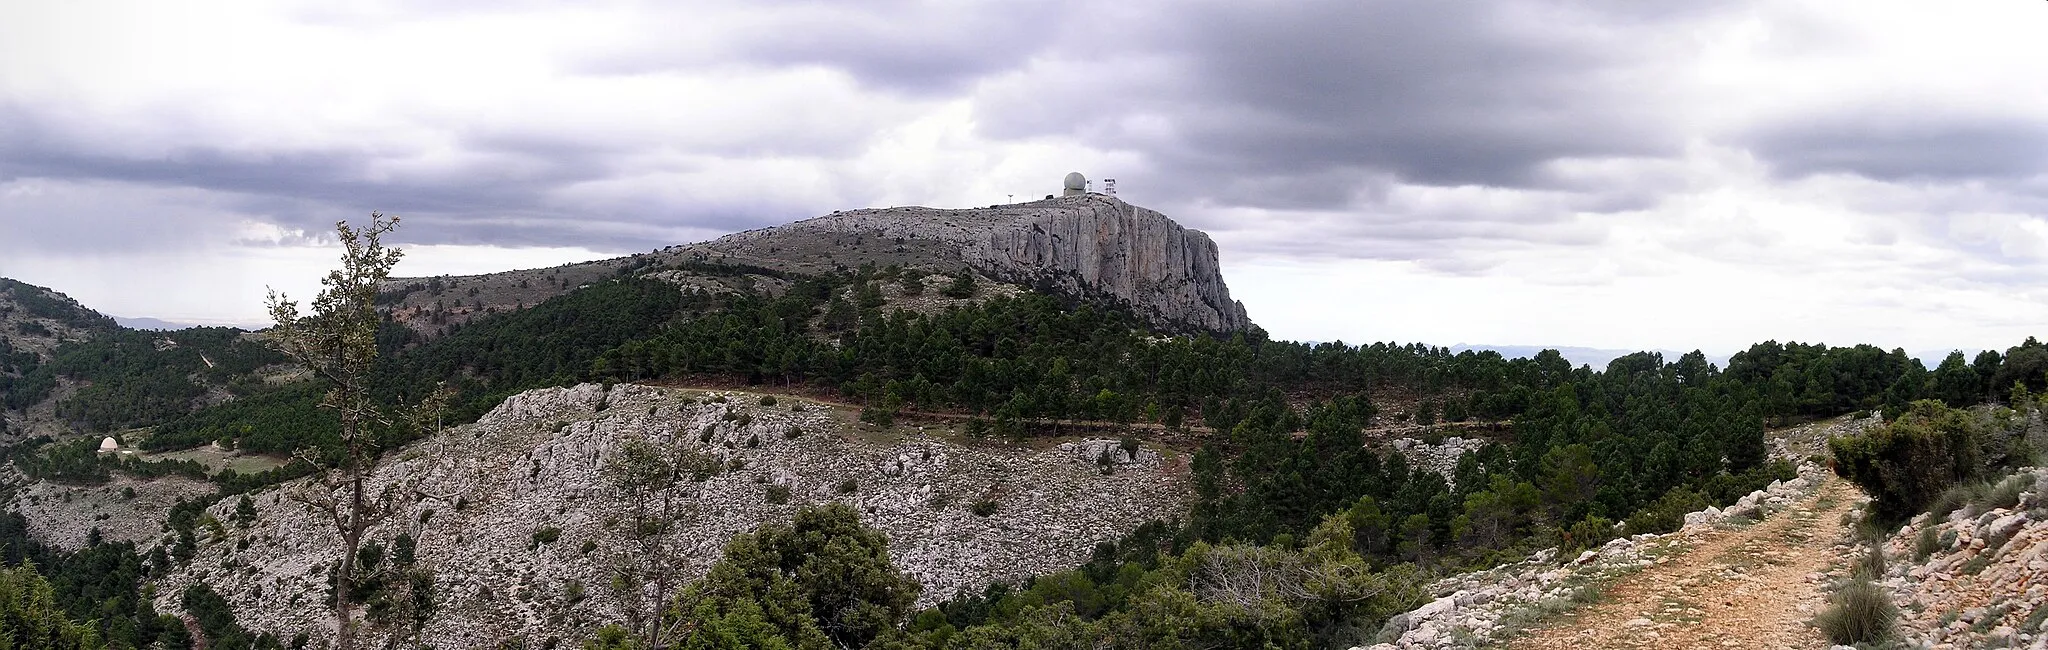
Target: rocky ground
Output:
[
  {"x": 1975, "y": 577},
  {"x": 124, "y": 509},
  {"x": 517, "y": 518},
  {"x": 1441, "y": 457}
]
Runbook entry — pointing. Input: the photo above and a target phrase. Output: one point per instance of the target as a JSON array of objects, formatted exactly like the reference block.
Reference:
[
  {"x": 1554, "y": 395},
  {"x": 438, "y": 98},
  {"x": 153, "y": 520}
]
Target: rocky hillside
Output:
[
  {"x": 36, "y": 319},
  {"x": 1975, "y": 575},
  {"x": 517, "y": 519},
  {"x": 1091, "y": 245}
]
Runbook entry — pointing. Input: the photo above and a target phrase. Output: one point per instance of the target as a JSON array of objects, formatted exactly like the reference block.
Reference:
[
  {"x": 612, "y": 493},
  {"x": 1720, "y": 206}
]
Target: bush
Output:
[
  {"x": 778, "y": 494},
  {"x": 1859, "y": 612},
  {"x": 849, "y": 486},
  {"x": 793, "y": 432},
  {"x": 767, "y": 400},
  {"x": 1668, "y": 513},
  {"x": 984, "y": 507},
  {"x": 1905, "y": 465},
  {"x": 548, "y": 535},
  {"x": 962, "y": 286}
]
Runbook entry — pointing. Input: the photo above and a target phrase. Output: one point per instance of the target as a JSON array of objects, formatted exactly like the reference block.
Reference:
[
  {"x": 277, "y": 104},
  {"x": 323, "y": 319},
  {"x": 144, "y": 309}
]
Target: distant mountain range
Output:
[
  {"x": 1599, "y": 357},
  {"x": 1595, "y": 357}
]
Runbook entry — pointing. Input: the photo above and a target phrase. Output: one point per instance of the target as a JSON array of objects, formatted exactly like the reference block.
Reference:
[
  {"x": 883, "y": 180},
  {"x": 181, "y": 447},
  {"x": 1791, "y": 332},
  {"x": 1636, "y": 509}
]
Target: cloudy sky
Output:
[{"x": 1608, "y": 174}]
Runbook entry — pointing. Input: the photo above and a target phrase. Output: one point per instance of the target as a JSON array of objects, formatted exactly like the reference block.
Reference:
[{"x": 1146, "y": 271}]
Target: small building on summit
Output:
[
  {"x": 1075, "y": 185},
  {"x": 108, "y": 445}
]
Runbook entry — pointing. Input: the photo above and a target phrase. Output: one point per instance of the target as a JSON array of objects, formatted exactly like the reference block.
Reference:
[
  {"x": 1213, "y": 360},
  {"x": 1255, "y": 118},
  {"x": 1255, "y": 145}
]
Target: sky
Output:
[{"x": 1655, "y": 174}]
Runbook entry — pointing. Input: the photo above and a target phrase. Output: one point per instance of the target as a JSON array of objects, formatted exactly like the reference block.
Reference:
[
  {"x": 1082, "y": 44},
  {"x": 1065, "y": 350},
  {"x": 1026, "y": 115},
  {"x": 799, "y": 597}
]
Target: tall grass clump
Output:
[
  {"x": 1957, "y": 497},
  {"x": 1858, "y": 612},
  {"x": 1925, "y": 544},
  {"x": 2006, "y": 494}
]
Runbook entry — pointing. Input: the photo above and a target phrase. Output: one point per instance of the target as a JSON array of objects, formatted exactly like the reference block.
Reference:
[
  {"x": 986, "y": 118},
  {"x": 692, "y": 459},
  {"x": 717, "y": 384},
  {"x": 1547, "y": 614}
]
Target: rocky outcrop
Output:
[
  {"x": 1091, "y": 245},
  {"x": 1441, "y": 457},
  {"x": 1976, "y": 576},
  {"x": 516, "y": 518}
]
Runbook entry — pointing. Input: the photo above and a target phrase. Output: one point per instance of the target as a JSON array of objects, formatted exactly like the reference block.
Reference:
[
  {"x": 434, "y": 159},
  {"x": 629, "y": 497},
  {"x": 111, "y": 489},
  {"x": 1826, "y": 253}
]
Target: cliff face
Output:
[{"x": 1093, "y": 245}]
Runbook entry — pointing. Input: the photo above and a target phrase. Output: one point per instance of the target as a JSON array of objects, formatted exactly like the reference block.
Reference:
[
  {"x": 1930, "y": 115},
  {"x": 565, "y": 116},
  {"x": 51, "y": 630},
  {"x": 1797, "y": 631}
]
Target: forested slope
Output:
[{"x": 1288, "y": 467}]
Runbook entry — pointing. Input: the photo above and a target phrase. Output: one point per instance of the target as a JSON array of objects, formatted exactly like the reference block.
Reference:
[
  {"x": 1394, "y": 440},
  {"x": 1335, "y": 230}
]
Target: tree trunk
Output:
[{"x": 351, "y": 539}]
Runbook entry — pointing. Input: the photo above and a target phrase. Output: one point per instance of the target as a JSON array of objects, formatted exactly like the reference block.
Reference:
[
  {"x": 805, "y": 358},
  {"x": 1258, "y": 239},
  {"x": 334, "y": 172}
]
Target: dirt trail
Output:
[{"x": 1752, "y": 587}]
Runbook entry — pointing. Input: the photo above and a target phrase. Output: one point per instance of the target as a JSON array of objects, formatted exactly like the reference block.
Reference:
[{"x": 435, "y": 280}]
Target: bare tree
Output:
[{"x": 338, "y": 343}]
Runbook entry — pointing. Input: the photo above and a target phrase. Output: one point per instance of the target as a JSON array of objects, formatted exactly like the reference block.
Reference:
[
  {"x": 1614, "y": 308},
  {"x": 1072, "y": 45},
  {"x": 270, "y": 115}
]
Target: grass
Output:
[
  {"x": 2006, "y": 494},
  {"x": 1858, "y": 612},
  {"x": 1925, "y": 544},
  {"x": 1870, "y": 566},
  {"x": 1957, "y": 497}
]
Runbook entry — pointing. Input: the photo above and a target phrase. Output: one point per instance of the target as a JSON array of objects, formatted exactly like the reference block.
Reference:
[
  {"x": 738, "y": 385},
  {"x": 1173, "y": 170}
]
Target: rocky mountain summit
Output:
[
  {"x": 1091, "y": 245},
  {"x": 517, "y": 517}
]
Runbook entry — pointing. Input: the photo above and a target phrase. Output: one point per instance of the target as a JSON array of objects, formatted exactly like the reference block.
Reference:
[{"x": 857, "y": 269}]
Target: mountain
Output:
[
  {"x": 147, "y": 323},
  {"x": 1598, "y": 358},
  {"x": 1091, "y": 245},
  {"x": 1089, "y": 248}
]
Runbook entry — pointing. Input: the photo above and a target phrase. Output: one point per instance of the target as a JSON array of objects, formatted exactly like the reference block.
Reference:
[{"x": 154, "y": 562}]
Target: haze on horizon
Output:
[{"x": 1654, "y": 175}]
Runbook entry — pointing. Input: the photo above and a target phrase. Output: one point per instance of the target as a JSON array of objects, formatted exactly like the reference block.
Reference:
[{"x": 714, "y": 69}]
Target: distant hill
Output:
[
  {"x": 147, "y": 323},
  {"x": 1598, "y": 358}
]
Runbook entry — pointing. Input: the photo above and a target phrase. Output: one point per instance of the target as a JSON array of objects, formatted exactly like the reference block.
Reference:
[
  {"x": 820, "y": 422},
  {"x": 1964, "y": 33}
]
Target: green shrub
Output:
[
  {"x": 1667, "y": 513},
  {"x": 767, "y": 400},
  {"x": 778, "y": 494},
  {"x": 849, "y": 486},
  {"x": 1905, "y": 465},
  {"x": 1858, "y": 612},
  {"x": 984, "y": 507},
  {"x": 962, "y": 286},
  {"x": 793, "y": 432},
  {"x": 546, "y": 535}
]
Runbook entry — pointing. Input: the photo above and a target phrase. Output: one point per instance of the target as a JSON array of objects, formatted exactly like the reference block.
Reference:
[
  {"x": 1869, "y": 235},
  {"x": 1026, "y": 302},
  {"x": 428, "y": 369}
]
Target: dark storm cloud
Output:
[
  {"x": 500, "y": 196},
  {"x": 924, "y": 48},
  {"x": 1433, "y": 93},
  {"x": 1905, "y": 147}
]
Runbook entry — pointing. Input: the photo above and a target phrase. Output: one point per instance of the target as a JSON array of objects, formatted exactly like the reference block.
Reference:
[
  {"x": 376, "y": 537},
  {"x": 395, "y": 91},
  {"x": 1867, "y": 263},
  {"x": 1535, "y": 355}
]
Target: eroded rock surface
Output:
[
  {"x": 480, "y": 498},
  {"x": 1088, "y": 245}
]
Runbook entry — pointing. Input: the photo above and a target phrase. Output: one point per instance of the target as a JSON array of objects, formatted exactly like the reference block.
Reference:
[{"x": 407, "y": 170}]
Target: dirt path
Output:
[{"x": 1752, "y": 587}]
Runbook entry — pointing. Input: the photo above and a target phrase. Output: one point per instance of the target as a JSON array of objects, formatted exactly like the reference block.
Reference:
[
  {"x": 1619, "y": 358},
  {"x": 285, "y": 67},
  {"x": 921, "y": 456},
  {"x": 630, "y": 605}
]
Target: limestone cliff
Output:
[{"x": 1092, "y": 245}]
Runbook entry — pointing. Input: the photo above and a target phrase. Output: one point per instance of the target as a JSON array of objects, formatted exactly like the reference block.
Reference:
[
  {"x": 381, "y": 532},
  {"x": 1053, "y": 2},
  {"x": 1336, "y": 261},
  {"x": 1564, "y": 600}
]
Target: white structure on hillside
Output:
[
  {"x": 108, "y": 446},
  {"x": 1075, "y": 185}
]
